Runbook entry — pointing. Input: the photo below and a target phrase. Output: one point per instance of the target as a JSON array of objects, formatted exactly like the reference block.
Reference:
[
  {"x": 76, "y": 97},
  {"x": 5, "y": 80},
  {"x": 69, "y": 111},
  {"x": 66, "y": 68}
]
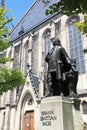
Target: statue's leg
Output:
[
  {"x": 65, "y": 87},
  {"x": 55, "y": 87},
  {"x": 51, "y": 84},
  {"x": 50, "y": 88}
]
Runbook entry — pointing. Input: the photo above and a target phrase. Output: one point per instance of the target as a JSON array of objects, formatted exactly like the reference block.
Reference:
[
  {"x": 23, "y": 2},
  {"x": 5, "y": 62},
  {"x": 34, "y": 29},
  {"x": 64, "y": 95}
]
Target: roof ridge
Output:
[{"x": 24, "y": 15}]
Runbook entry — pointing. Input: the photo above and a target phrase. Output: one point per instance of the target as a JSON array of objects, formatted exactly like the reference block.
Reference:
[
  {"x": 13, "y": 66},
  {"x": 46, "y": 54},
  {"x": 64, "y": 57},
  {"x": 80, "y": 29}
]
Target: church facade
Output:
[{"x": 19, "y": 108}]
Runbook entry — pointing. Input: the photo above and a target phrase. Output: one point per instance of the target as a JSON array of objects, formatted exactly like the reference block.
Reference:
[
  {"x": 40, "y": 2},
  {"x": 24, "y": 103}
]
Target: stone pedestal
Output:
[{"x": 59, "y": 113}]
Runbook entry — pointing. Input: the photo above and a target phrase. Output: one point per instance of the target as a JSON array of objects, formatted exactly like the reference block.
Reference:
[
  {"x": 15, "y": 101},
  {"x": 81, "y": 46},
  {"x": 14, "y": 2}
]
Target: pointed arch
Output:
[
  {"x": 72, "y": 19},
  {"x": 27, "y": 106},
  {"x": 75, "y": 43},
  {"x": 27, "y": 55},
  {"x": 46, "y": 43},
  {"x": 47, "y": 32},
  {"x": 46, "y": 46}
]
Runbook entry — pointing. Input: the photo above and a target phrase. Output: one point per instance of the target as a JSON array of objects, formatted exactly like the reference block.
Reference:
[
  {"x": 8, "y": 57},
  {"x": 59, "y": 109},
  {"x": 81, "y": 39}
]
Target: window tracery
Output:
[{"x": 75, "y": 43}]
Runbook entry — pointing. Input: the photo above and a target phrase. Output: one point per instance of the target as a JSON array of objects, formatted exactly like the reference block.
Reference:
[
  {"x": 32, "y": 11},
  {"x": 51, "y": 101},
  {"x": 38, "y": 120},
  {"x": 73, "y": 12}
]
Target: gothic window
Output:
[
  {"x": 35, "y": 54},
  {"x": 46, "y": 49},
  {"x": 46, "y": 45},
  {"x": 27, "y": 58},
  {"x": 17, "y": 56},
  {"x": 11, "y": 96},
  {"x": 4, "y": 99},
  {"x": 18, "y": 92},
  {"x": 57, "y": 28},
  {"x": 17, "y": 48},
  {"x": 75, "y": 43}
]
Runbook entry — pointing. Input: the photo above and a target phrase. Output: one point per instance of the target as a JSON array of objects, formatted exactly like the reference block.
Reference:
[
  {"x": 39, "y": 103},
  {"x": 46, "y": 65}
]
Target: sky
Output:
[{"x": 18, "y": 8}]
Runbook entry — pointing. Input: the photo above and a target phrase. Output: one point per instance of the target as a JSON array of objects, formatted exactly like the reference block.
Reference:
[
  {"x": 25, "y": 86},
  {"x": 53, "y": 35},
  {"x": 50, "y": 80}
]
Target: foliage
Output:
[
  {"x": 10, "y": 79},
  {"x": 3, "y": 21},
  {"x": 82, "y": 26},
  {"x": 70, "y": 7},
  {"x": 4, "y": 33},
  {"x": 4, "y": 45},
  {"x": 4, "y": 60}
]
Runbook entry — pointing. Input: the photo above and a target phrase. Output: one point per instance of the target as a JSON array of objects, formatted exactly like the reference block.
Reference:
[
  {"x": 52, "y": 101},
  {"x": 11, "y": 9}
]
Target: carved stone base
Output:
[{"x": 60, "y": 113}]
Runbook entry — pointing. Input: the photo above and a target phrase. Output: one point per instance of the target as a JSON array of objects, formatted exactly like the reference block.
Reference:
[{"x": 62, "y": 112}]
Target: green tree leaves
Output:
[
  {"x": 70, "y": 7},
  {"x": 10, "y": 79},
  {"x": 3, "y": 21}
]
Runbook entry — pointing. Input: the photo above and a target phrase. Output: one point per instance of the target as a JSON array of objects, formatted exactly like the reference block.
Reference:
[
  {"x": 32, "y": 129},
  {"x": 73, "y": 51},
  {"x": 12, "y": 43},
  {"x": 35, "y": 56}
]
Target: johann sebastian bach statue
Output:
[{"x": 62, "y": 75}]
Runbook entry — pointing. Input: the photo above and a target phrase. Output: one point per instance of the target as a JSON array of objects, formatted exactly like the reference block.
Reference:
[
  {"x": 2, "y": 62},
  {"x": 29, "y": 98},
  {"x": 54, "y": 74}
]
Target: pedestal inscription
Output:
[
  {"x": 51, "y": 113},
  {"x": 48, "y": 117}
]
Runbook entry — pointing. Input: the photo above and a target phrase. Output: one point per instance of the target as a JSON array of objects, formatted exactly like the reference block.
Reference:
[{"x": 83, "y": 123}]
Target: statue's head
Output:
[{"x": 56, "y": 41}]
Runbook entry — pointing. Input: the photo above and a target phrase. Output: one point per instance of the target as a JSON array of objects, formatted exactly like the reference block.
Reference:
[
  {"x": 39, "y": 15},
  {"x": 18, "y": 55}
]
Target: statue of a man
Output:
[{"x": 60, "y": 68}]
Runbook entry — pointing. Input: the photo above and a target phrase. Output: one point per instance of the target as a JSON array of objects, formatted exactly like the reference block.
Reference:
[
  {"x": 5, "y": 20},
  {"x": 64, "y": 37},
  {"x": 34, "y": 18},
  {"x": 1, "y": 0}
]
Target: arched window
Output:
[
  {"x": 17, "y": 55},
  {"x": 27, "y": 56},
  {"x": 46, "y": 49},
  {"x": 46, "y": 43},
  {"x": 12, "y": 96},
  {"x": 75, "y": 43}
]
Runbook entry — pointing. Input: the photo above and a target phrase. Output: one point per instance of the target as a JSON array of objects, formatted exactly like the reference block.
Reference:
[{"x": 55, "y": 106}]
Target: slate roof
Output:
[
  {"x": 34, "y": 80},
  {"x": 33, "y": 17}
]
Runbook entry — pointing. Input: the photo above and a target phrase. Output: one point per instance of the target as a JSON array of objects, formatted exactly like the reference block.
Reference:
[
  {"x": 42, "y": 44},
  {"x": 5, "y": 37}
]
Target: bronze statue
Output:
[{"x": 62, "y": 75}]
